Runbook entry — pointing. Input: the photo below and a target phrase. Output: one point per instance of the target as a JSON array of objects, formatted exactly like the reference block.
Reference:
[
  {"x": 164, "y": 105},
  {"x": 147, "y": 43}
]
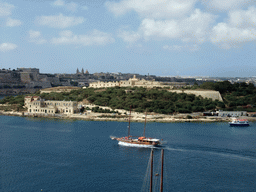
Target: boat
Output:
[
  {"x": 137, "y": 141},
  {"x": 239, "y": 122}
]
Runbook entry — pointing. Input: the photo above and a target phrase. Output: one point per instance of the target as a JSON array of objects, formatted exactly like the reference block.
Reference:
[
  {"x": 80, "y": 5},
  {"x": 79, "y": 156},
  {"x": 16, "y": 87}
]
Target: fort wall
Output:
[{"x": 214, "y": 95}]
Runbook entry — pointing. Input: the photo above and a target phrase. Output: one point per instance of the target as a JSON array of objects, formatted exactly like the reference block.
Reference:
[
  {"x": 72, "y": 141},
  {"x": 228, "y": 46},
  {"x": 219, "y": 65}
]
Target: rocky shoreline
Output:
[{"x": 134, "y": 117}]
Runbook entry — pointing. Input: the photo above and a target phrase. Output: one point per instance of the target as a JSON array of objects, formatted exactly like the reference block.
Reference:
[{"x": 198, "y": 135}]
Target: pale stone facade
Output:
[
  {"x": 214, "y": 95},
  {"x": 231, "y": 113},
  {"x": 36, "y": 105},
  {"x": 134, "y": 82}
]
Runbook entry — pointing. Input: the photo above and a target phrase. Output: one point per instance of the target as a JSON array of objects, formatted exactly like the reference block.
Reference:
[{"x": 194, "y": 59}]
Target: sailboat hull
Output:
[
  {"x": 135, "y": 145},
  {"x": 147, "y": 142}
]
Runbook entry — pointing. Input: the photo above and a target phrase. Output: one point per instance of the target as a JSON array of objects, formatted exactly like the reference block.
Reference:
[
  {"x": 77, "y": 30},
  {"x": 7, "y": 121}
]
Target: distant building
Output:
[
  {"x": 231, "y": 113},
  {"x": 134, "y": 82},
  {"x": 36, "y": 105}
]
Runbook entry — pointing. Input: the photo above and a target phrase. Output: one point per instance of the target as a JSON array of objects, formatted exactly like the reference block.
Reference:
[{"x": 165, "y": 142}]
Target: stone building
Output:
[
  {"x": 36, "y": 105},
  {"x": 231, "y": 113},
  {"x": 133, "y": 82}
]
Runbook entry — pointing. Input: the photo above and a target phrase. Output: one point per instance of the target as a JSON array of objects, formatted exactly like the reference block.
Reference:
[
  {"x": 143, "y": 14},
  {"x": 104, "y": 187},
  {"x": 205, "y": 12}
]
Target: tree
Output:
[
  {"x": 223, "y": 87},
  {"x": 208, "y": 85}
]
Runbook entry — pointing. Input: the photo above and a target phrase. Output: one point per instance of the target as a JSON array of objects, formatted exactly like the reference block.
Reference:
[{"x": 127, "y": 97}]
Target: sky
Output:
[{"x": 213, "y": 38}]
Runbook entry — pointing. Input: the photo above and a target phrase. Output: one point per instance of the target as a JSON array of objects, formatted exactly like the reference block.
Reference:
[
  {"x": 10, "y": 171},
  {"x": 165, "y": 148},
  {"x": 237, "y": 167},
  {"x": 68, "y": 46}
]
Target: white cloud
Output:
[
  {"x": 226, "y": 4},
  {"x": 194, "y": 47},
  {"x": 35, "y": 37},
  {"x": 193, "y": 28},
  {"x": 69, "y": 6},
  {"x": 239, "y": 28},
  {"x": 58, "y": 3},
  {"x": 84, "y": 8},
  {"x": 6, "y": 9},
  {"x": 228, "y": 36},
  {"x": 4, "y": 47},
  {"x": 179, "y": 20},
  {"x": 153, "y": 8},
  {"x": 129, "y": 36},
  {"x": 13, "y": 22},
  {"x": 34, "y": 34},
  {"x": 59, "y": 21},
  {"x": 94, "y": 38},
  {"x": 243, "y": 18}
]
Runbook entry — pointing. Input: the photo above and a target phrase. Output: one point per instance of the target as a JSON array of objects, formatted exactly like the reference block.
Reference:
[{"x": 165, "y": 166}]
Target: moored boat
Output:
[{"x": 239, "y": 122}]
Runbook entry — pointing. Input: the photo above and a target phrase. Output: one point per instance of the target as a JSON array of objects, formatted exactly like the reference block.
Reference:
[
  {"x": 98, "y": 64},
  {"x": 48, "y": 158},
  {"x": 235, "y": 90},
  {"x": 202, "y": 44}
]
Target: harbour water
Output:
[{"x": 60, "y": 155}]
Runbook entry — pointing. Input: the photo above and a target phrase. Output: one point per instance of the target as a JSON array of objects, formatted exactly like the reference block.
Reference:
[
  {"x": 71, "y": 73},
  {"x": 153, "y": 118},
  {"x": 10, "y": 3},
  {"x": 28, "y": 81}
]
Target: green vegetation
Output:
[
  {"x": 238, "y": 96},
  {"x": 16, "y": 103},
  {"x": 13, "y": 100}
]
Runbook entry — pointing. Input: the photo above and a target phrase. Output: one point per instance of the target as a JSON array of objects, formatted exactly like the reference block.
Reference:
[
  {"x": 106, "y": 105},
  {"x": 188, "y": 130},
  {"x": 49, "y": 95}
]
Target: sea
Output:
[{"x": 39, "y": 154}]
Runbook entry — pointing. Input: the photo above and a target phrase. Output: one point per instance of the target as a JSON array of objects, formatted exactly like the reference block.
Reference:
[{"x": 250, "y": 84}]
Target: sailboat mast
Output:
[
  {"x": 162, "y": 171},
  {"x": 145, "y": 124},
  {"x": 129, "y": 122},
  {"x": 151, "y": 171}
]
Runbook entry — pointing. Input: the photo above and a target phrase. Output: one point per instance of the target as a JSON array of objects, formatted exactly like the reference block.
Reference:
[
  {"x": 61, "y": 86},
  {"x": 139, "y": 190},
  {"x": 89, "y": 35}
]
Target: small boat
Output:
[
  {"x": 137, "y": 141},
  {"x": 239, "y": 122}
]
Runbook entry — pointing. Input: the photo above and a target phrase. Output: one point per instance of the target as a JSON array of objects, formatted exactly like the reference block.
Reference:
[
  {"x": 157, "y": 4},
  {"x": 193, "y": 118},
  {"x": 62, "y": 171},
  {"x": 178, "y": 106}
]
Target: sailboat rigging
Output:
[
  {"x": 141, "y": 141},
  {"x": 154, "y": 186}
]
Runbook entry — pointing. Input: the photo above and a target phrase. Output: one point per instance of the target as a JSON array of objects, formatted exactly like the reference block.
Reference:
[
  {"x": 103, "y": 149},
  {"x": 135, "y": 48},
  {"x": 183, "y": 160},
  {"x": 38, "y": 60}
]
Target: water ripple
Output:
[{"x": 227, "y": 153}]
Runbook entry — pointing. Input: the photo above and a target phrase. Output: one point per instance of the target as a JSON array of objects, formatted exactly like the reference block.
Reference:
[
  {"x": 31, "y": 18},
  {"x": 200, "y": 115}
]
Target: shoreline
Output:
[{"x": 134, "y": 118}]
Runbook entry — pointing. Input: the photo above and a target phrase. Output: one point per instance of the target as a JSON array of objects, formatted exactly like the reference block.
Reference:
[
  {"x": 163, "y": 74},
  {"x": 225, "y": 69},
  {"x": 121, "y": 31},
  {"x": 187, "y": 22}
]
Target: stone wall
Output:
[
  {"x": 17, "y": 91},
  {"x": 214, "y": 95}
]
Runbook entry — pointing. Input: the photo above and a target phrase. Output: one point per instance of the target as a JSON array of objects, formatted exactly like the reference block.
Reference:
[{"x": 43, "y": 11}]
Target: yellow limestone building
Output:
[
  {"x": 36, "y": 105},
  {"x": 132, "y": 82}
]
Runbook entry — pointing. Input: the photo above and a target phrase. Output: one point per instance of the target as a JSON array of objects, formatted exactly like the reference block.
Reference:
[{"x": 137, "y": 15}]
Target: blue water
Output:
[{"x": 62, "y": 155}]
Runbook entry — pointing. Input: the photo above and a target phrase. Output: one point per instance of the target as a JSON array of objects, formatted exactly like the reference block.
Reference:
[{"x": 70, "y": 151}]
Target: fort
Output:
[{"x": 135, "y": 82}]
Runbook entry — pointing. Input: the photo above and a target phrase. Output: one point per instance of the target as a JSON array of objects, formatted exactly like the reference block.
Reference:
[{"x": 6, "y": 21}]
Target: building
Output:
[
  {"x": 36, "y": 105},
  {"x": 133, "y": 82},
  {"x": 231, "y": 113}
]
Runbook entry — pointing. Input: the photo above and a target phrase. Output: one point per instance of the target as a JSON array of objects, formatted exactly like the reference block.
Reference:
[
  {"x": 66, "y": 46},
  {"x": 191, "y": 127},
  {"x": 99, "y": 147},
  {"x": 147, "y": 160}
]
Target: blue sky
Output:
[{"x": 159, "y": 37}]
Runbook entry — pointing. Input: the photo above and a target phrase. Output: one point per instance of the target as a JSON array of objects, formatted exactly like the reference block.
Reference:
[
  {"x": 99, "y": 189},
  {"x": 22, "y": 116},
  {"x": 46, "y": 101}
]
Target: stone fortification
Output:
[
  {"x": 59, "y": 89},
  {"x": 29, "y": 77},
  {"x": 214, "y": 95},
  {"x": 135, "y": 82},
  {"x": 12, "y": 91}
]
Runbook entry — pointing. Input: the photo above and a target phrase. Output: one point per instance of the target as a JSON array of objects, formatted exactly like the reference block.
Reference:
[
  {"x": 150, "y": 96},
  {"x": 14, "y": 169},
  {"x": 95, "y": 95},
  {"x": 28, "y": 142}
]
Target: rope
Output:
[
  {"x": 157, "y": 178},
  {"x": 115, "y": 129},
  {"x": 146, "y": 181}
]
